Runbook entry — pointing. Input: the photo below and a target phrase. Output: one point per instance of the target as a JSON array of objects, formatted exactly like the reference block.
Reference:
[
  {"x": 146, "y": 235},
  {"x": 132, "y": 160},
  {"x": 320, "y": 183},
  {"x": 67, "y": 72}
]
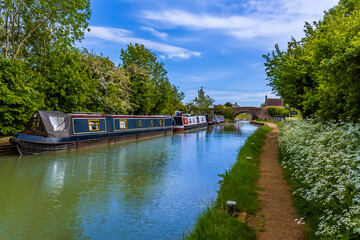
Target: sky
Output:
[{"x": 216, "y": 44}]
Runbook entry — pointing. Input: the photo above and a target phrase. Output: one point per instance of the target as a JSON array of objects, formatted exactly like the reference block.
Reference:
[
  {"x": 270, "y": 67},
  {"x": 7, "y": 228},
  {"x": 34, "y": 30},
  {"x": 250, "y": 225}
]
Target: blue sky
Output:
[{"x": 217, "y": 44}]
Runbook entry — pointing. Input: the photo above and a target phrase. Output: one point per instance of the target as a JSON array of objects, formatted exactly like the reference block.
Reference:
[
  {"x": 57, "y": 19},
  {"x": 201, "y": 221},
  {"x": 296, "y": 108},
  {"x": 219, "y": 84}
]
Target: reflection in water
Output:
[{"x": 146, "y": 189}]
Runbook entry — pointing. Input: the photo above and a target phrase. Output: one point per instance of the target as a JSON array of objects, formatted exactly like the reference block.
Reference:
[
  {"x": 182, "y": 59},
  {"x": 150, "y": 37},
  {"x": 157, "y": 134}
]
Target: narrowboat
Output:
[
  {"x": 185, "y": 122},
  {"x": 220, "y": 118},
  {"x": 51, "y": 131},
  {"x": 212, "y": 119}
]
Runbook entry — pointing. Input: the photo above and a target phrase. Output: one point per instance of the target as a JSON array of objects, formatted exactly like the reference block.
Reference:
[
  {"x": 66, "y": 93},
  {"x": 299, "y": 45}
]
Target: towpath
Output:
[{"x": 275, "y": 196}]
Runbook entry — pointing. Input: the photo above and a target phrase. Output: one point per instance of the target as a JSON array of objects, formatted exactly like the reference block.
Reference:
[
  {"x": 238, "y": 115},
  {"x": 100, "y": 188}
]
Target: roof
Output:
[{"x": 273, "y": 102}]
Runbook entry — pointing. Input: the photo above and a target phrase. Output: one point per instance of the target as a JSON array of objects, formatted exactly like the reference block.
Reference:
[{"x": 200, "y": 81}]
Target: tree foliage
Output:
[
  {"x": 32, "y": 26},
  {"x": 109, "y": 85},
  {"x": 151, "y": 90},
  {"x": 277, "y": 111},
  {"x": 320, "y": 73},
  {"x": 203, "y": 102},
  {"x": 219, "y": 109},
  {"x": 229, "y": 113},
  {"x": 18, "y": 99},
  {"x": 228, "y": 104}
]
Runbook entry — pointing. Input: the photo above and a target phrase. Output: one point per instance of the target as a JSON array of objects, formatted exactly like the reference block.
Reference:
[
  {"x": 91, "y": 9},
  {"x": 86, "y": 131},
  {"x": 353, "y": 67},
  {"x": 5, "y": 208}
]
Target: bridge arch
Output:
[{"x": 257, "y": 113}]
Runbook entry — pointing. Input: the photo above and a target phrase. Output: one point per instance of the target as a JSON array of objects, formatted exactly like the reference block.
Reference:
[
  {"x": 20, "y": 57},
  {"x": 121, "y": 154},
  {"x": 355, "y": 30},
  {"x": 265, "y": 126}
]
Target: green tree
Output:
[
  {"x": 203, "y": 102},
  {"x": 156, "y": 95},
  {"x": 110, "y": 85},
  {"x": 141, "y": 90},
  {"x": 228, "y": 104},
  {"x": 65, "y": 84},
  {"x": 219, "y": 109},
  {"x": 192, "y": 108},
  {"x": 319, "y": 74},
  {"x": 229, "y": 113},
  {"x": 18, "y": 99},
  {"x": 31, "y": 27}
]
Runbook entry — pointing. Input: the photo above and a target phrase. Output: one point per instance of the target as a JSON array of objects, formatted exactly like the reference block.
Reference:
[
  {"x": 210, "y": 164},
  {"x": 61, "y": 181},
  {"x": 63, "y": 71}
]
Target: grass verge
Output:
[{"x": 239, "y": 185}]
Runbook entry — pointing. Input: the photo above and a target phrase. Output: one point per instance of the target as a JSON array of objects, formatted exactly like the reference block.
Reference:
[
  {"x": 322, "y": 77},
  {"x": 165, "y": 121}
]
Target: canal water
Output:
[{"x": 148, "y": 189}]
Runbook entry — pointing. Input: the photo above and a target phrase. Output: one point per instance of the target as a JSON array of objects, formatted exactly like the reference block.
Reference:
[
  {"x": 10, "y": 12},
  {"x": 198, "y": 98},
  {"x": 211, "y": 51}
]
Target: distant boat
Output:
[
  {"x": 212, "y": 120},
  {"x": 220, "y": 118},
  {"x": 51, "y": 131},
  {"x": 184, "y": 122}
]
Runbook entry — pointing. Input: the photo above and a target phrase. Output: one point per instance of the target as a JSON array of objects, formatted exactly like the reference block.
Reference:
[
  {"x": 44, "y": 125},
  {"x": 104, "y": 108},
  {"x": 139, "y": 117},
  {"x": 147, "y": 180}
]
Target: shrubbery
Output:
[
  {"x": 323, "y": 164},
  {"x": 276, "y": 111}
]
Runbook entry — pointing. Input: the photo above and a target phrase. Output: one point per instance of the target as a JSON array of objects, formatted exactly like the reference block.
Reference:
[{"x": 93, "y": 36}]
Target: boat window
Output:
[
  {"x": 152, "y": 123},
  {"x": 35, "y": 126},
  {"x": 123, "y": 124},
  {"x": 189, "y": 120},
  {"x": 94, "y": 125},
  {"x": 58, "y": 123},
  {"x": 140, "y": 123},
  {"x": 160, "y": 122}
]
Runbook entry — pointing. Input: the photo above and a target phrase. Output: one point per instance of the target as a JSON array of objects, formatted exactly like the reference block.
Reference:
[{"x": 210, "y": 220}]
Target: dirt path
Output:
[{"x": 275, "y": 197}]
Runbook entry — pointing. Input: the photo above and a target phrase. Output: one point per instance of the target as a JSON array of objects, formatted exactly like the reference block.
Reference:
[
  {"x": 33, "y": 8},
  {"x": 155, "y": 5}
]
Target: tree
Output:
[
  {"x": 158, "y": 94},
  {"x": 319, "y": 74},
  {"x": 192, "y": 108},
  {"x": 229, "y": 113},
  {"x": 203, "y": 102},
  {"x": 219, "y": 109},
  {"x": 228, "y": 104},
  {"x": 110, "y": 84},
  {"x": 31, "y": 27},
  {"x": 18, "y": 99},
  {"x": 141, "y": 90}
]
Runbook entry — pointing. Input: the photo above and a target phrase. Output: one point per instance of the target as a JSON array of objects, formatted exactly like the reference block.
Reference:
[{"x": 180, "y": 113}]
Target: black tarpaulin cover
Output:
[{"x": 57, "y": 124}]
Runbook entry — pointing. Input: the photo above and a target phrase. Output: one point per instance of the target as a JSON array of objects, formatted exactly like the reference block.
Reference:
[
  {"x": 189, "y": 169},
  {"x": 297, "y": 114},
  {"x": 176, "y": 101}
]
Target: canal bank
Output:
[{"x": 264, "y": 208}]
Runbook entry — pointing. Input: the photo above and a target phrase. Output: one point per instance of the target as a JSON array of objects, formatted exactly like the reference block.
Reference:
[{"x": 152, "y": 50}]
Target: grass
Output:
[
  {"x": 243, "y": 116},
  {"x": 217, "y": 225},
  {"x": 239, "y": 185}
]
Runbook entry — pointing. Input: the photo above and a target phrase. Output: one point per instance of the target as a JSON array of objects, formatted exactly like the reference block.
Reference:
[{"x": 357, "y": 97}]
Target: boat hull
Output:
[
  {"x": 27, "y": 144},
  {"x": 189, "y": 127}
]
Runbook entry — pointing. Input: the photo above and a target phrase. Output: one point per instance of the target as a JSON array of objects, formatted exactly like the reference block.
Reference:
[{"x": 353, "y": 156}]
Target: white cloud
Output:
[
  {"x": 122, "y": 36},
  {"x": 258, "y": 18},
  {"x": 156, "y": 33}
]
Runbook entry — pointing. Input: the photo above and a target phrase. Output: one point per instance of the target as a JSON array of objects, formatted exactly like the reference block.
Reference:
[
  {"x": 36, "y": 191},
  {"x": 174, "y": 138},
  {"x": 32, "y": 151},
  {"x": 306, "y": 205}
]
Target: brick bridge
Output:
[{"x": 257, "y": 113}]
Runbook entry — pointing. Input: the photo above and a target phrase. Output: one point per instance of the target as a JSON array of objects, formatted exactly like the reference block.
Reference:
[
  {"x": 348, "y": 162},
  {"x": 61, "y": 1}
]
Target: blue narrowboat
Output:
[{"x": 51, "y": 131}]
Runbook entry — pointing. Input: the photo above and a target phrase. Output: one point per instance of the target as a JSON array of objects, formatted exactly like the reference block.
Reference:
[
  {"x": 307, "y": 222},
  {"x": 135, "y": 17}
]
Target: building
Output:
[{"x": 273, "y": 102}]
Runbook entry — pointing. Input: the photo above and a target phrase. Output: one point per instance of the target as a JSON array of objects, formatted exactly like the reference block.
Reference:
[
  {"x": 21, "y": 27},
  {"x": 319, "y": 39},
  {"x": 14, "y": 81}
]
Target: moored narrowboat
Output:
[
  {"x": 185, "y": 122},
  {"x": 220, "y": 118},
  {"x": 51, "y": 131},
  {"x": 211, "y": 119}
]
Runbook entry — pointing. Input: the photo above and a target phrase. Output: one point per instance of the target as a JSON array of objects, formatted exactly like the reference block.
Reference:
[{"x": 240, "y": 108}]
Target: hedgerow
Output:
[{"x": 322, "y": 161}]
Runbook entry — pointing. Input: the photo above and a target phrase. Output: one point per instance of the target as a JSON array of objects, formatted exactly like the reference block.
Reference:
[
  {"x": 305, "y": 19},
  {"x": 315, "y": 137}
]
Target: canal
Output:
[{"x": 148, "y": 189}]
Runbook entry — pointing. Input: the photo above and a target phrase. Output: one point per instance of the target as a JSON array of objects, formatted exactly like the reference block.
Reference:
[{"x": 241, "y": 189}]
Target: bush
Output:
[{"x": 276, "y": 111}]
